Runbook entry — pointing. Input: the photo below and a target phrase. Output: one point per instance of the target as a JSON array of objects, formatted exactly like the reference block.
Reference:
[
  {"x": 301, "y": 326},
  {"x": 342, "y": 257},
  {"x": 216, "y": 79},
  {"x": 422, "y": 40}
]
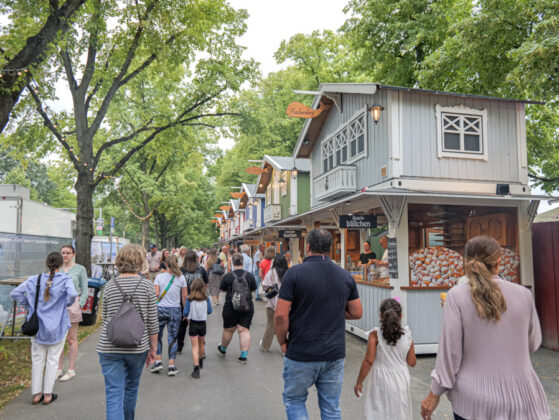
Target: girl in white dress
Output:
[{"x": 389, "y": 352}]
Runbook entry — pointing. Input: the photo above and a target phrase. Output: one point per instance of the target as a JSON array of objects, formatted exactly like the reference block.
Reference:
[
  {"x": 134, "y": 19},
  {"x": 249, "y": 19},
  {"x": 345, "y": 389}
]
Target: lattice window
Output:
[{"x": 461, "y": 132}]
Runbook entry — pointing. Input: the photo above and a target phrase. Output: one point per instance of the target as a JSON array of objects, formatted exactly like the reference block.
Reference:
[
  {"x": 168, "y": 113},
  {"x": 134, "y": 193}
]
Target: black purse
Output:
[
  {"x": 31, "y": 326},
  {"x": 272, "y": 291}
]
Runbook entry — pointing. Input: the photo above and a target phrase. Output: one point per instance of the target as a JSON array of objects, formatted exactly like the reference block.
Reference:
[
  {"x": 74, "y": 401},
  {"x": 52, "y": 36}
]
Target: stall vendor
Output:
[
  {"x": 383, "y": 264},
  {"x": 368, "y": 257}
]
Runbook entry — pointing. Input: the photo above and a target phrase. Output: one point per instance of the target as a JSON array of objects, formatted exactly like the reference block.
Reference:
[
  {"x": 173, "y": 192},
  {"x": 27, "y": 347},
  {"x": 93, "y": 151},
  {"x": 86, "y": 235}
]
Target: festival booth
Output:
[{"x": 428, "y": 169}]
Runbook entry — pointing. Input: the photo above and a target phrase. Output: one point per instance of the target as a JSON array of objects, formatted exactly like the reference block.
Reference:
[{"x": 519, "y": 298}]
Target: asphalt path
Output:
[{"x": 226, "y": 389}]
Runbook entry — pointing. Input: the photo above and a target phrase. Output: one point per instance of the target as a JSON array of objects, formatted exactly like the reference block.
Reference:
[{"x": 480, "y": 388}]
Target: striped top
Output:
[{"x": 145, "y": 302}]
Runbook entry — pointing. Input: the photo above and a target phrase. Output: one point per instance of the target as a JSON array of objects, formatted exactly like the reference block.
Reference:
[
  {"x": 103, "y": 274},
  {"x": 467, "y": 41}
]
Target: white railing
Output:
[
  {"x": 272, "y": 213},
  {"x": 248, "y": 224},
  {"x": 339, "y": 181}
]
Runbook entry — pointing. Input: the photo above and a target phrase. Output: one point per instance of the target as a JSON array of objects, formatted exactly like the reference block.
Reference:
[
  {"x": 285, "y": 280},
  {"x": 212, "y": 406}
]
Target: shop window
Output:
[
  {"x": 346, "y": 145},
  {"x": 461, "y": 132}
]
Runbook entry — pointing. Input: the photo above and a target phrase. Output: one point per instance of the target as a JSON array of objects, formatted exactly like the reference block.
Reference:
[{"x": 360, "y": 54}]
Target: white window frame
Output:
[
  {"x": 335, "y": 145},
  {"x": 461, "y": 111}
]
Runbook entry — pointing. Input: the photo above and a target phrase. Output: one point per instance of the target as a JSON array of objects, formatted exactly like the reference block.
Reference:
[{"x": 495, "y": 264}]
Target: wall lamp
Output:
[{"x": 375, "y": 111}]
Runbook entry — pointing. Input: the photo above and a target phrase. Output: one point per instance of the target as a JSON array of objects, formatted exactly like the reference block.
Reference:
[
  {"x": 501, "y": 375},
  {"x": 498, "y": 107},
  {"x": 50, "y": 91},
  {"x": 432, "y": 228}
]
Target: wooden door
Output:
[
  {"x": 496, "y": 227},
  {"x": 474, "y": 227}
]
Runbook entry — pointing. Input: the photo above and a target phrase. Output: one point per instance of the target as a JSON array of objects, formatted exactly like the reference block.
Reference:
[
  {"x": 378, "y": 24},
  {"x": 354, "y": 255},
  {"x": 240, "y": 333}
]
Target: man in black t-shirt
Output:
[
  {"x": 315, "y": 299},
  {"x": 232, "y": 319},
  {"x": 366, "y": 257}
]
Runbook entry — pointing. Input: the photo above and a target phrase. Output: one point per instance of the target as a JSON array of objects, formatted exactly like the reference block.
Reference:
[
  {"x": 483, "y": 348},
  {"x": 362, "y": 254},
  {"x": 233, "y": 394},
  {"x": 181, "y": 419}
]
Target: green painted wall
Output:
[{"x": 303, "y": 193}]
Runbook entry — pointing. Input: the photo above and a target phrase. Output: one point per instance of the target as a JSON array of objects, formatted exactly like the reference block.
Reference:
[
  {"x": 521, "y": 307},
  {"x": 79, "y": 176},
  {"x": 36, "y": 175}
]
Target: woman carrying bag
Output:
[
  {"x": 215, "y": 271},
  {"x": 271, "y": 284},
  {"x": 47, "y": 297}
]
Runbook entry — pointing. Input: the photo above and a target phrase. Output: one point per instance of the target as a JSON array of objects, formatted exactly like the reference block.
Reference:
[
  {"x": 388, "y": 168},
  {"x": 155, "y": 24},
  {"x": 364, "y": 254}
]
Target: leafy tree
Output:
[
  {"x": 188, "y": 47},
  {"x": 390, "y": 39},
  {"x": 16, "y": 55}
]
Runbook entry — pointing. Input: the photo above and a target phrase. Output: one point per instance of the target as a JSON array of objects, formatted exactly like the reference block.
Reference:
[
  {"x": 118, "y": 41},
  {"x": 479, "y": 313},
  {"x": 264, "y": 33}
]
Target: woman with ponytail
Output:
[
  {"x": 56, "y": 292},
  {"x": 489, "y": 328},
  {"x": 171, "y": 292},
  {"x": 389, "y": 352}
]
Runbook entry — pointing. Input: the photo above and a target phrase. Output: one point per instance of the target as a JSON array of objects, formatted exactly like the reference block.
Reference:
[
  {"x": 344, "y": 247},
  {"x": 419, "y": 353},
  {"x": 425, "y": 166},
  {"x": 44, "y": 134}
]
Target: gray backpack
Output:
[
  {"x": 126, "y": 328},
  {"x": 240, "y": 293}
]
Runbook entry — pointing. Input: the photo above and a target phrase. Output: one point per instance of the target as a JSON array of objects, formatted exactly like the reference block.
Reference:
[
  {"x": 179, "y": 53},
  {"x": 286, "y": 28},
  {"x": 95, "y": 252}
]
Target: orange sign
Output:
[
  {"x": 224, "y": 208},
  {"x": 236, "y": 194},
  {"x": 297, "y": 109},
  {"x": 214, "y": 221},
  {"x": 254, "y": 170}
]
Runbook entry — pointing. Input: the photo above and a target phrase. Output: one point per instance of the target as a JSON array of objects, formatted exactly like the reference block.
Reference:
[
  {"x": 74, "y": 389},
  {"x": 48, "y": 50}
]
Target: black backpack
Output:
[{"x": 240, "y": 293}]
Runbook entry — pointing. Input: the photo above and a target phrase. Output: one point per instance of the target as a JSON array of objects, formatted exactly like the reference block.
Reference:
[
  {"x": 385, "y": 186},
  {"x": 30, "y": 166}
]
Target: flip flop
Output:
[
  {"x": 54, "y": 397},
  {"x": 37, "y": 402}
]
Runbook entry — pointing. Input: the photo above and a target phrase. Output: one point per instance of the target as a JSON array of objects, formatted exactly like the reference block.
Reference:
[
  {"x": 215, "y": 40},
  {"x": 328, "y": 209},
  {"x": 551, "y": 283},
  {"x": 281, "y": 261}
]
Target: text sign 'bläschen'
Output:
[{"x": 358, "y": 221}]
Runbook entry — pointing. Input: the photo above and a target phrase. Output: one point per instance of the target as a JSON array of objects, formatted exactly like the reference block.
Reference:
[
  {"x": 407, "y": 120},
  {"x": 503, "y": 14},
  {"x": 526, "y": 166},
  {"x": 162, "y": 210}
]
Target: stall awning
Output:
[{"x": 354, "y": 201}]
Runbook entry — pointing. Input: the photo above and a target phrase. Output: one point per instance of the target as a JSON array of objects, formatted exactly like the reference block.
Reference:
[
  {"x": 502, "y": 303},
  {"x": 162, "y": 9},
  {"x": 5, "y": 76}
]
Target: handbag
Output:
[
  {"x": 31, "y": 326},
  {"x": 273, "y": 290},
  {"x": 217, "y": 269}
]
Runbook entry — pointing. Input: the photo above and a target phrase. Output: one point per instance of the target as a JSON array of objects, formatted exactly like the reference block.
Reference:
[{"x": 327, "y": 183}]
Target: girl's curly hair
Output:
[{"x": 390, "y": 314}]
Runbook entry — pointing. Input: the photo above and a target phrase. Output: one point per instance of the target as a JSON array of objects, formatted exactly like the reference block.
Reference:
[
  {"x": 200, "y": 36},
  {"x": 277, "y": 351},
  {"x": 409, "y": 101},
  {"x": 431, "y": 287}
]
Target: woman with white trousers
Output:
[{"x": 56, "y": 292}]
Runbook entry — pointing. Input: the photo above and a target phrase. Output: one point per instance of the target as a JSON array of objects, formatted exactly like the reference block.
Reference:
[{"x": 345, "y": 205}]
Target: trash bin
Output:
[{"x": 89, "y": 311}]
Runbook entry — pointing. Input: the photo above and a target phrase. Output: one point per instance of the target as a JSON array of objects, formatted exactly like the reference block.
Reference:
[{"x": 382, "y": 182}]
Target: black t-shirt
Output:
[
  {"x": 318, "y": 291},
  {"x": 200, "y": 272},
  {"x": 227, "y": 284},
  {"x": 364, "y": 258}
]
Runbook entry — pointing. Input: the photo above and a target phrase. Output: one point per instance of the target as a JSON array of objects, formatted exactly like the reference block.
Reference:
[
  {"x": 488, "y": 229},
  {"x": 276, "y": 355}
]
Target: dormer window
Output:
[
  {"x": 346, "y": 145},
  {"x": 461, "y": 132}
]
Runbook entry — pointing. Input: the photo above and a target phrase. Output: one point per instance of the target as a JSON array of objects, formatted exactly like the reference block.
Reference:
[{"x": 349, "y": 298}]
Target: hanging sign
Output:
[
  {"x": 299, "y": 110},
  {"x": 358, "y": 221},
  {"x": 254, "y": 170},
  {"x": 289, "y": 234},
  {"x": 392, "y": 258},
  {"x": 236, "y": 194}
]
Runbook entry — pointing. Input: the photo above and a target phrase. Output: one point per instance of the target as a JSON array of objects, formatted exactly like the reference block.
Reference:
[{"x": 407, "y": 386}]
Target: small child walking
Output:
[
  {"x": 389, "y": 352},
  {"x": 196, "y": 310}
]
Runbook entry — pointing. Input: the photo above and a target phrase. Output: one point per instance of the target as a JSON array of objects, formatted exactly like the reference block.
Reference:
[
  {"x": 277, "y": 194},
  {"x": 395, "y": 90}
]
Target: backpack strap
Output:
[{"x": 122, "y": 291}]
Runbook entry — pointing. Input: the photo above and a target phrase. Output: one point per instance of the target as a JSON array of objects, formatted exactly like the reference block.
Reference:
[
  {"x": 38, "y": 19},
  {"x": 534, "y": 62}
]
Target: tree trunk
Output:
[
  {"x": 84, "y": 220},
  {"x": 145, "y": 233}
]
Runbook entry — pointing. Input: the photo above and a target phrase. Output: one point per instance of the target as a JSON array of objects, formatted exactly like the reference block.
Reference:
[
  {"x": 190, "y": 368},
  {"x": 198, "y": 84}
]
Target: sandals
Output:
[
  {"x": 54, "y": 397},
  {"x": 39, "y": 401}
]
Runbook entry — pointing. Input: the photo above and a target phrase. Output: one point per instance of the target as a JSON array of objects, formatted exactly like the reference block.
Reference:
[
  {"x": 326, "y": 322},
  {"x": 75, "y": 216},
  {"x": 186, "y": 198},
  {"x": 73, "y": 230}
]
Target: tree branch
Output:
[
  {"x": 67, "y": 62},
  {"x": 162, "y": 171},
  {"x": 99, "y": 82},
  {"x": 124, "y": 69},
  {"x": 152, "y": 166},
  {"x": 52, "y": 128}
]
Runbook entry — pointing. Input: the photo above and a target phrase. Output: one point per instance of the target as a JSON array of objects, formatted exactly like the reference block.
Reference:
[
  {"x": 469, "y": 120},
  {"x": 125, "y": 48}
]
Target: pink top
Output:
[{"x": 485, "y": 365}]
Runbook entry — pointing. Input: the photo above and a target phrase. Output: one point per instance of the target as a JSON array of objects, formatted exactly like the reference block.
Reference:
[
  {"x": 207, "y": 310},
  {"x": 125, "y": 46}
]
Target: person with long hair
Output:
[
  {"x": 180, "y": 256},
  {"x": 191, "y": 270},
  {"x": 215, "y": 270},
  {"x": 266, "y": 263},
  {"x": 79, "y": 277},
  {"x": 56, "y": 292},
  {"x": 164, "y": 262},
  {"x": 196, "y": 310},
  {"x": 489, "y": 328},
  {"x": 171, "y": 292},
  {"x": 122, "y": 366},
  {"x": 273, "y": 277},
  {"x": 390, "y": 351}
]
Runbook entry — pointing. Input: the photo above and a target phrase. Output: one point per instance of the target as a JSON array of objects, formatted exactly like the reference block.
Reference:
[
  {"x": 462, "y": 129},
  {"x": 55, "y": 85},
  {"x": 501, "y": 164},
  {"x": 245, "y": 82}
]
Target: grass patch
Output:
[{"x": 15, "y": 360}]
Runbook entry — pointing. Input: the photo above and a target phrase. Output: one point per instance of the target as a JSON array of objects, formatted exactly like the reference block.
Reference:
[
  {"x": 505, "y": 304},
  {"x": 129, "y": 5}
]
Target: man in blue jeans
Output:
[{"x": 315, "y": 299}]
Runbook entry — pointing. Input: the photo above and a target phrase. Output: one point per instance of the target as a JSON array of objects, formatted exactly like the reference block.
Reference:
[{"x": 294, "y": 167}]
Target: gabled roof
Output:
[
  {"x": 250, "y": 190},
  {"x": 280, "y": 163},
  {"x": 327, "y": 91}
]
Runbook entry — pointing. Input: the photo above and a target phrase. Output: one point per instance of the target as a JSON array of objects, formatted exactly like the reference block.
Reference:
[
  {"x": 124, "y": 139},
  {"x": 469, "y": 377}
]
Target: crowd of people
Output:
[{"x": 489, "y": 329}]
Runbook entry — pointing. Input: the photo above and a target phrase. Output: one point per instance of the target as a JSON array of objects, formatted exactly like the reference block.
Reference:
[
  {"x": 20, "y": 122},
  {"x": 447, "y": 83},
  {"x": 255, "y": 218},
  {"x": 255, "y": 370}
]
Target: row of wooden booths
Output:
[{"x": 403, "y": 177}]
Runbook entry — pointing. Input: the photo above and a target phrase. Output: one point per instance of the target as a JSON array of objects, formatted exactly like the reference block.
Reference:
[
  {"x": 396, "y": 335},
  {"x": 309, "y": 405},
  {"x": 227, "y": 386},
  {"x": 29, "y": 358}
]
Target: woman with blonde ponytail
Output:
[
  {"x": 489, "y": 328},
  {"x": 56, "y": 292}
]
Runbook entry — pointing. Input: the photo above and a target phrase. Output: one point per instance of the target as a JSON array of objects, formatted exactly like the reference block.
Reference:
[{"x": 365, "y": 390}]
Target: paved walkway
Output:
[{"x": 228, "y": 389}]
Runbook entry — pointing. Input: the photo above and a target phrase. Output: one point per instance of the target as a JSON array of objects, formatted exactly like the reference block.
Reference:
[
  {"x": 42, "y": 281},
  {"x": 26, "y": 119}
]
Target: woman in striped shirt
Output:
[{"x": 122, "y": 367}]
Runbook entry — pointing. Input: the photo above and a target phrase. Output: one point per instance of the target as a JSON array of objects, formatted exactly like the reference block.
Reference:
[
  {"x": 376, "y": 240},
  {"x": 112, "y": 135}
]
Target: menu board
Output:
[{"x": 392, "y": 258}]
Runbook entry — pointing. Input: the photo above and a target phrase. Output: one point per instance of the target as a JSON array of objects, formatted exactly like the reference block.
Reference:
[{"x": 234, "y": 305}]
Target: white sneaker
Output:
[
  {"x": 58, "y": 374},
  {"x": 68, "y": 375}
]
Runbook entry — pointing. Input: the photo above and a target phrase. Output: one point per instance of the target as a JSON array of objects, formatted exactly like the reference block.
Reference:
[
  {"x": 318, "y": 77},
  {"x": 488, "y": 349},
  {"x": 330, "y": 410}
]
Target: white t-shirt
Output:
[
  {"x": 383, "y": 269},
  {"x": 172, "y": 298}
]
